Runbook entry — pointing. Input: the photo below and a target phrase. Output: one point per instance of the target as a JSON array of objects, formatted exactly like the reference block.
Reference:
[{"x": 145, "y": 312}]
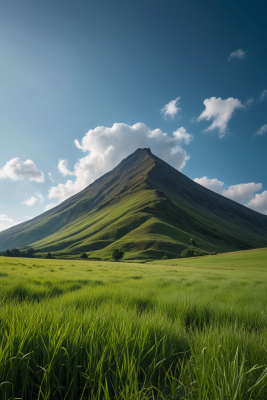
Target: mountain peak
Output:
[{"x": 142, "y": 205}]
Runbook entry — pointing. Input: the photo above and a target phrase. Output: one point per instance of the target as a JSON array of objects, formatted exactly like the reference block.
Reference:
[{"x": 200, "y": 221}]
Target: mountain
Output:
[{"x": 145, "y": 207}]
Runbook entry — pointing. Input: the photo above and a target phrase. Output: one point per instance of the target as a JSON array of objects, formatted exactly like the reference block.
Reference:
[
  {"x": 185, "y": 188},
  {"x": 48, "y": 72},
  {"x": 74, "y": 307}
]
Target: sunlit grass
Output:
[{"x": 105, "y": 330}]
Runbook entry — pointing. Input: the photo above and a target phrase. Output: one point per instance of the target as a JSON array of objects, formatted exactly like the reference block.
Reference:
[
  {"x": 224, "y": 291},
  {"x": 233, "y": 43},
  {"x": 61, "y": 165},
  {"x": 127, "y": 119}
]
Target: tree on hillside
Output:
[
  {"x": 29, "y": 252},
  {"x": 117, "y": 254},
  {"x": 7, "y": 253},
  {"x": 15, "y": 253},
  {"x": 193, "y": 242},
  {"x": 187, "y": 253},
  {"x": 49, "y": 255},
  {"x": 84, "y": 255}
]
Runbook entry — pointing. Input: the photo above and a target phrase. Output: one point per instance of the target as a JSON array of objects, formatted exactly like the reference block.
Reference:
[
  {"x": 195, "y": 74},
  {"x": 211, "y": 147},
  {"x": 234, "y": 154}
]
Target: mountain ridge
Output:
[{"x": 142, "y": 205}]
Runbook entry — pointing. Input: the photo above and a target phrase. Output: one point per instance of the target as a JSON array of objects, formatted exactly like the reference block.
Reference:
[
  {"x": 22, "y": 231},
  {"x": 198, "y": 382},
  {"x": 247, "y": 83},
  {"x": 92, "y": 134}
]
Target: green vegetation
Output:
[
  {"x": 117, "y": 254},
  {"x": 17, "y": 253},
  {"x": 187, "y": 253},
  {"x": 84, "y": 256},
  {"x": 147, "y": 209},
  {"x": 189, "y": 328},
  {"x": 193, "y": 242}
]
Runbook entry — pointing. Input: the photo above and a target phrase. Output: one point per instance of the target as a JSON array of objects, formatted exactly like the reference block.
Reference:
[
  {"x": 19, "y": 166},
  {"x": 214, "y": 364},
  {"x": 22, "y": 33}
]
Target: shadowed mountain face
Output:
[{"x": 148, "y": 209}]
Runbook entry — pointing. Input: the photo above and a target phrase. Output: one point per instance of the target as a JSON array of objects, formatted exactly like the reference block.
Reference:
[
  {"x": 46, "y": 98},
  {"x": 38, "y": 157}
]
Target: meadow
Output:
[{"x": 182, "y": 329}]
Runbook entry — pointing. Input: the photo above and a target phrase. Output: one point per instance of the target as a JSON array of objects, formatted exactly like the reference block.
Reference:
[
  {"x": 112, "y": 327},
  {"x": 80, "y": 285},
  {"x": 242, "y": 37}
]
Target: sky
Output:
[{"x": 84, "y": 84}]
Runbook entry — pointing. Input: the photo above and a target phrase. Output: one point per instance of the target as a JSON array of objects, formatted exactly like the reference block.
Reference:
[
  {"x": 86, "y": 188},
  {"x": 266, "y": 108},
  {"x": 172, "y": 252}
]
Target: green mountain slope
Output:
[{"x": 145, "y": 207}]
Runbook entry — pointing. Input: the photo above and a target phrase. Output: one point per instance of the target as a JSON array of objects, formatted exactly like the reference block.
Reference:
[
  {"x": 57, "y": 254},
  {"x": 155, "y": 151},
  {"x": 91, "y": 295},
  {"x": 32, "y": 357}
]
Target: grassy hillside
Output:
[
  {"x": 106, "y": 330},
  {"x": 148, "y": 209},
  {"x": 250, "y": 260}
]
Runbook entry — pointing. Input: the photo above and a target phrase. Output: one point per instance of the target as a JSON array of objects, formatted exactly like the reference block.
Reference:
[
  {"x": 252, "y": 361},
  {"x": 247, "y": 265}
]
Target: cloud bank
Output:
[
  {"x": 240, "y": 54},
  {"x": 16, "y": 169},
  {"x": 106, "y": 147},
  {"x": 171, "y": 108},
  {"x": 243, "y": 193},
  {"x": 220, "y": 111}
]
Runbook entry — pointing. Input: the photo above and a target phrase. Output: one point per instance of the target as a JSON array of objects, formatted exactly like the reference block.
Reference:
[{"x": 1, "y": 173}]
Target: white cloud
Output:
[
  {"x": 263, "y": 95},
  {"x": 262, "y": 130},
  {"x": 16, "y": 169},
  {"x": 221, "y": 111},
  {"x": 259, "y": 202},
  {"x": 41, "y": 197},
  {"x": 106, "y": 147},
  {"x": 6, "y": 222},
  {"x": 181, "y": 134},
  {"x": 242, "y": 192},
  {"x": 31, "y": 201},
  {"x": 213, "y": 184},
  {"x": 63, "y": 167},
  {"x": 51, "y": 205},
  {"x": 50, "y": 177},
  {"x": 171, "y": 108},
  {"x": 241, "y": 54}
]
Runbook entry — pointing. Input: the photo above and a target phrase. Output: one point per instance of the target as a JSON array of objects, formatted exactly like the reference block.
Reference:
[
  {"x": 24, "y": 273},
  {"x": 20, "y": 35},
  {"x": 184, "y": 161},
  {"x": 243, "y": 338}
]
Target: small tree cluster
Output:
[
  {"x": 117, "y": 254},
  {"x": 30, "y": 252},
  {"x": 14, "y": 253},
  {"x": 84, "y": 256},
  {"x": 187, "y": 253},
  {"x": 17, "y": 253}
]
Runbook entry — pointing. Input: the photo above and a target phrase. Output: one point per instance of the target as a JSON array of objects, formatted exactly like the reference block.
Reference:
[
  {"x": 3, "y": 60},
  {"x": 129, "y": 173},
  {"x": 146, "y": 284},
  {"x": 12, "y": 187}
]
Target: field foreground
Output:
[{"x": 185, "y": 329}]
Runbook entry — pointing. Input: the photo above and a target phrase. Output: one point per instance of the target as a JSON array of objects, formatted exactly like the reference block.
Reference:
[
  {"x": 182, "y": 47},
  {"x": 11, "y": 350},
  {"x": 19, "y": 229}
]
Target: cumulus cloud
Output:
[
  {"x": 30, "y": 202},
  {"x": 6, "y": 222},
  {"x": 259, "y": 202},
  {"x": 63, "y": 167},
  {"x": 240, "y": 54},
  {"x": 171, "y": 108},
  {"x": 16, "y": 169},
  {"x": 181, "y": 134},
  {"x": 262, "y": 130},
  {"x": 106, "y": 147},
  {"x": 213, "y": 184},
  {"x": 263, "y": 95},
  {"x": 220, "y": 111},
  {"x": 242, "y": 192}
]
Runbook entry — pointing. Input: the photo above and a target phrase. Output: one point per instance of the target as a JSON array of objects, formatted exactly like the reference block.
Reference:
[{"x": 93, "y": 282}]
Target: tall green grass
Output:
[{"x": 99, "y": 330}]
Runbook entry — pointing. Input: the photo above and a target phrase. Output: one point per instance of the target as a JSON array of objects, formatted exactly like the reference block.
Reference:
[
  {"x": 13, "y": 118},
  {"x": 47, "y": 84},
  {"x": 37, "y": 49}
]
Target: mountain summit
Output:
[{"x": 145, "y": 207}]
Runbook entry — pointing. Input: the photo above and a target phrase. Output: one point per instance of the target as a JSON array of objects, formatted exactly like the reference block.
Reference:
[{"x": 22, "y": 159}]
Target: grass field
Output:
[{"x": 185, "y": 329}]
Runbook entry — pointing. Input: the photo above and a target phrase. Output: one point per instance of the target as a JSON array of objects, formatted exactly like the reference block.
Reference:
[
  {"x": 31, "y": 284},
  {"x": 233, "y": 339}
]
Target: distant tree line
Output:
[{"x": 18, "y": 253}]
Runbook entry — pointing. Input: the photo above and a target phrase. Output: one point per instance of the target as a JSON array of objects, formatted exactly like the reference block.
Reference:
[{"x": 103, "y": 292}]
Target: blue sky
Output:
[{"x": 101, "y": 73}]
